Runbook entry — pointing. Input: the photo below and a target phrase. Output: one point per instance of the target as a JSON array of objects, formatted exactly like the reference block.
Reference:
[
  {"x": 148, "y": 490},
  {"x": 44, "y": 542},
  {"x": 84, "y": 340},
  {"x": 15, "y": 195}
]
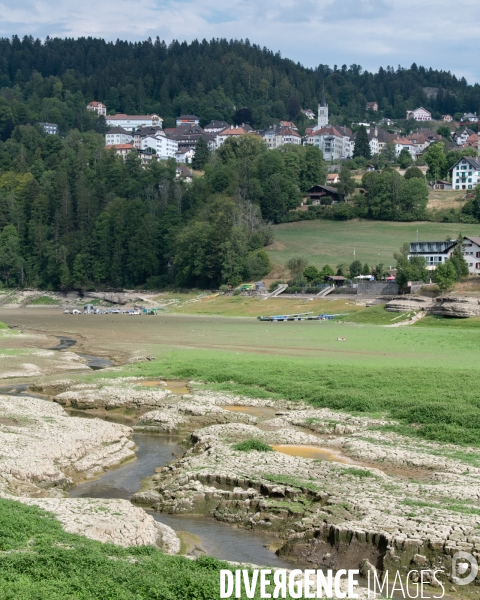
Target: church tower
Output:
[{"x": 322, "y": 111}]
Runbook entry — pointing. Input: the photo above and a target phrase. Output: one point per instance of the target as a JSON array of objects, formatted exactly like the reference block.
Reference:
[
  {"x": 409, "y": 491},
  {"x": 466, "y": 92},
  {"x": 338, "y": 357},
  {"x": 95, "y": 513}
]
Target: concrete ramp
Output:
[
  {"x": 281, "y": 288},
  {"x": 325, "y": 292}
]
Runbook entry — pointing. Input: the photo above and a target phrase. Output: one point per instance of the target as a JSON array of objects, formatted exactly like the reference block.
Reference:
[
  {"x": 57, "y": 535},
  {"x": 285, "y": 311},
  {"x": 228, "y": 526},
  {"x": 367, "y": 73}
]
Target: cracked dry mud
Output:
[{"x": 373, "y": 495}]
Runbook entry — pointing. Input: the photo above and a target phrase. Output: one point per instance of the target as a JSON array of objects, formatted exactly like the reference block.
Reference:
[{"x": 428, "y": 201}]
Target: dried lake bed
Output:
[{"x": 337, "y": 490}]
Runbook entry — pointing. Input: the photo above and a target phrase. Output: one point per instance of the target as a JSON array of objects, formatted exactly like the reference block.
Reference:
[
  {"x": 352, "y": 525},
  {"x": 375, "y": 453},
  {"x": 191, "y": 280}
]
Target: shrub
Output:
[
  {"x": 249, "y": 445},
  {"x": 224, "y": 288},
  {"x": 273, "y": 286},
  {"x": 257, "y": 264}
]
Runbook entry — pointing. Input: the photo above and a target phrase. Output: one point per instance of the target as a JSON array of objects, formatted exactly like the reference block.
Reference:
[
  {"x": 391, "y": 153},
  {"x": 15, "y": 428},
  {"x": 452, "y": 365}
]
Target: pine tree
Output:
[
  {"x": 362, "y": 145},
  {"x": 202, "y": 155}
]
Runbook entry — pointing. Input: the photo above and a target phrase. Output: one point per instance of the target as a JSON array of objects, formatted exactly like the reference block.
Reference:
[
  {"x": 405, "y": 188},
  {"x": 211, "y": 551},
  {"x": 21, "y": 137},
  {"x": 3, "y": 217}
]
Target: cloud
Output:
[
  {"x": 357, "y": 9},
  {"x": 371, "y": 33}
]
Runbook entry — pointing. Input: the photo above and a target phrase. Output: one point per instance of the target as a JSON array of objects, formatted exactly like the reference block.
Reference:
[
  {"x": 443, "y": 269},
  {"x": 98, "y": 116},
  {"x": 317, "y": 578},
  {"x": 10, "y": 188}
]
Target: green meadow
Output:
[{"x": 333, "y": 242}]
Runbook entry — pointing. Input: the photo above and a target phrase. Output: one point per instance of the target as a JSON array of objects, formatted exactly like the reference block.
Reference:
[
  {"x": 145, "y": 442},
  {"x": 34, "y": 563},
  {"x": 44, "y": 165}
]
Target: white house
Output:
[
  {"x": 97, "y": 107},
  {"x": 471, "y": 253},
  {"x": 419, "y": 114},
  {"x": 133, "y": 122},
  {"x": 404, "y": 143},
  {"x": 461, "y": 136},
  {"x": 447, "y": 118},
  {"x": 465, "y": 173},
  {"x": 118, "y": 135},
  {"x": 184, "y": 155},
  {"x": 372, "y": 106}
]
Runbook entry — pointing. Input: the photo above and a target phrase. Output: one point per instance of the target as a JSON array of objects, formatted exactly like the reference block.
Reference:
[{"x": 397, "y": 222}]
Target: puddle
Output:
[
  {"x": 175, "y": 387},
  {"x": 20, "y": 389},
  {"x": 262, "y": 412},
  {"x": 95, "y": 362},
  {"x": 311, "y": 452}
]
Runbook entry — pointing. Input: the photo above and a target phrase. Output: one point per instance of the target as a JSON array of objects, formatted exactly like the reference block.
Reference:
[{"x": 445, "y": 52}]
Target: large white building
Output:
[
  {"x": 133, "y": 122},
  {"x": 163, "y": 146},
  {"x": 436, "y": 253},
  {"x": 465, "y": 173},
  {"x": 278, "y": 136},
  {"x": 334, "y": 142}
]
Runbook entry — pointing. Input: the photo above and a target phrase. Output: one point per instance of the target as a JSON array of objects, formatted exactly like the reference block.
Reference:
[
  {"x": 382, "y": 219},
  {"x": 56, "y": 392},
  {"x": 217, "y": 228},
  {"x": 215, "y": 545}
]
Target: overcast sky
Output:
[{"x": 443, "y": 34}]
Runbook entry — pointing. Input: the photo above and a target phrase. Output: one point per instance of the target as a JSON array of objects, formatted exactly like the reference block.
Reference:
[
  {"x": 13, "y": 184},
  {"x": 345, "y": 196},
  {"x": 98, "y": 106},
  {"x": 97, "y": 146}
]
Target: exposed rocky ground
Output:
[
  {"x": 450, "y": 306},
  {"x": 43, "y": 452},
  {"x": 349, "y": 490}
]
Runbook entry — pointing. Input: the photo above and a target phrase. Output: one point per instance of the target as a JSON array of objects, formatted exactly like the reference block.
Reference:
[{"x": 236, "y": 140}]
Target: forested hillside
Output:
[{"x": 53, "y": 80}]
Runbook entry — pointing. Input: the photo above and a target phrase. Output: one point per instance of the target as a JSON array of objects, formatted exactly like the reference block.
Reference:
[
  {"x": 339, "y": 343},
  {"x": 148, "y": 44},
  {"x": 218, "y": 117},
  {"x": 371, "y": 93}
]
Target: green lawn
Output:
[
  {"x": 333, "y": 242},
  {"x": 40, "y": 561}
]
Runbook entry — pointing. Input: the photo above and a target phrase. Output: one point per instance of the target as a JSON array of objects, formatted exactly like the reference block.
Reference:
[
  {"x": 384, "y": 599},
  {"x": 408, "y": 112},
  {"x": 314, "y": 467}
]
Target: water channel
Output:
[{"x": 214, "y": 538}]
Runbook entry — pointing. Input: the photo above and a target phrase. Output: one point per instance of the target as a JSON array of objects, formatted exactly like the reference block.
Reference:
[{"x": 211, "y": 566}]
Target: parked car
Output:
[{"x": 76, "y": 312}]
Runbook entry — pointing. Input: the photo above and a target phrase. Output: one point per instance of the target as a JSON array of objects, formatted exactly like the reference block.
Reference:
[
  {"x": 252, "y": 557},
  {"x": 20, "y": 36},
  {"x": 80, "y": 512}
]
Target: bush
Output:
[
  {"x": 249, "y": 445},
  {"x": 236, "y": 292},
  {"x": 273, "y": 286},
  {"x": 224, "y": 288},
  {"x": 257, "y": 264}
]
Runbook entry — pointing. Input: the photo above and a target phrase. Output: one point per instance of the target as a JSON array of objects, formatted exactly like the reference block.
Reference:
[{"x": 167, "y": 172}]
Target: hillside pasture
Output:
[{"x": 333, "y": 242}]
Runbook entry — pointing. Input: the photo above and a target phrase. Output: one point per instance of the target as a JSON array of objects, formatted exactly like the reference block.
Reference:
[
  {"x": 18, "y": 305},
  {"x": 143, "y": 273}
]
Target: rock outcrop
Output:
[
  {"x": 451, "y": 306},
  {"x": 113, "y": 521}
]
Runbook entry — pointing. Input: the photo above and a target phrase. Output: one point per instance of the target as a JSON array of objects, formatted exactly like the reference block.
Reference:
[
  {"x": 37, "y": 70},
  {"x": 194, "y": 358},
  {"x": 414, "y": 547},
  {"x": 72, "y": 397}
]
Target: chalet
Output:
[
  {"x": 189, "y": 119},
  {"x": 419, "y": 114},
  {"x": 324, "y": 194},
  {"x": 97, "y": 107},
  {"x": 447, "y": 118},
  {"x": 133, "y": 122},
  {"x": 187, "y": 135},
  {"x": 433, "y": 252},
  {"x": 465, "y": 173},
  {"x": 118, "y": 135},
  {"x": 336, "y": 280},
  {"x": 372, "y": 106}
]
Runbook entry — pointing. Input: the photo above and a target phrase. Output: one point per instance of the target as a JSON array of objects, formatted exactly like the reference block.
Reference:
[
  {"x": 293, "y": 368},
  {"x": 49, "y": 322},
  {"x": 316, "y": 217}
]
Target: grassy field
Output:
[
  {"x": 333, "y": 242},
  {"x": 41, "y": 561}
]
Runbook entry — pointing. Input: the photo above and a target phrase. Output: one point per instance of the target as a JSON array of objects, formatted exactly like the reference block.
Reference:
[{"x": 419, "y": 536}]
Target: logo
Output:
[{"x": 462, "y": 562}]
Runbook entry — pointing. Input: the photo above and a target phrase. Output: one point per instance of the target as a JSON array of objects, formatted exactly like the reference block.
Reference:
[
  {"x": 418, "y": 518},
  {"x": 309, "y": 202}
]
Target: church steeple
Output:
[{"x": 322, "y": 111}]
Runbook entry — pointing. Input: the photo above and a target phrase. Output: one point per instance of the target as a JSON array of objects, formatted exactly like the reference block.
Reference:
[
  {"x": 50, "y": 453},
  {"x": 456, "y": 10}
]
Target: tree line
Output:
[{"x": 54, "y": 79}]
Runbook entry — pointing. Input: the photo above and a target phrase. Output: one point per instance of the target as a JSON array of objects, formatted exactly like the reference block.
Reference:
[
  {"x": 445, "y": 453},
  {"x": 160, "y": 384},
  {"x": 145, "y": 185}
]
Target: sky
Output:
[{"x": 442, "y": 34}]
